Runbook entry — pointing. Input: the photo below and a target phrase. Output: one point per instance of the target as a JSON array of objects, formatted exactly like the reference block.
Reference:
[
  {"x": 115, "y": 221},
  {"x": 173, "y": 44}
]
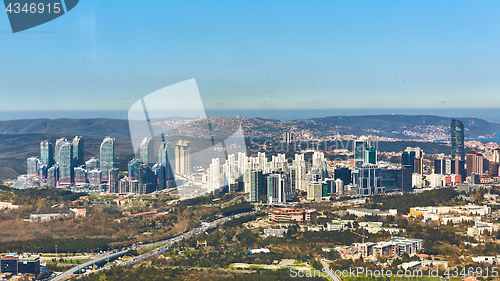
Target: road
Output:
[
  {"x": 79, "y": 267},
  {"x": 329, "y": 272},
  {"x": 166, "y": 245}
]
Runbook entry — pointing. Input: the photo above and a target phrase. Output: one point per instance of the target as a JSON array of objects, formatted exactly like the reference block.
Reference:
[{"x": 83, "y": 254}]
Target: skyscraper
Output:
[
  {"x": 113, "y": 180},
  {"x": 159, "y": 170},
  {"x": 287, "y": 137},
  {"x": 46, "y": 153},
  {"x": 33, "y": 164},
  {"x": 314, "y": 191},
  {"x": 365, "y": 152},
  {"x": 256, "y": 185},
  {"x": 183, "y": 157},
  {"x": 65, "y": 156},
  {"x": 107, "y": 155},
  {"x": 413, "y": 156},
  {"x": 278, "y": 188},
  {"x": 59, "y": 143},
  {"x": 319, "y": 161},
  {"x": 474, "y": 163},
  {"x": 147, "y": 151},
  {"x": 300, "y": 168},
  {"x": 457, "y": 139},
  {"x": 78, "y": 151},
  {"x": 344, "y": 174},
  {"x": 166, "y": 157},
  {"x": 370, "y": 180},
  {"x": 213, "y": 176},
  {"x": 134, "y": 170}
]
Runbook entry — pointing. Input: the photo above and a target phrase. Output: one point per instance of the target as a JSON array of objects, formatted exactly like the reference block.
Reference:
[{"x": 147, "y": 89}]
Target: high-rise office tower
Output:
[
  {"x": 406, "y": 178},
  {"x": 413, "y": 156},
  {"x": 213, "y": 176},
  {"x": 319, "y": 161},
  {"x": 149, "y": 180},
  {"x": 78, "y": 151},
  {"x": 113, "y": 180},
  {"x": 457, "y": 139},
  {"x": 166, "y": 157},
  {"x": 46, "y": 153},
  {"x": 287, "y": 137},
  {"x": 339, "y": 187},
  {"x": 474, "y": 163},
  {"x": 278, "y": 188},
  {"x": 59, "y": 143},
  {"x": 370, "y": 180},
  {"x": 314, "y": 191},
  {"x": 183, "y": 157},
  {"x": 107, "y": 157},
  {"x": 365, "y": 152},
  {"x": 344, "y": 174},
  {"x": 159, "y": 170},
  {"x": 33, "y": 164},
  {"x": 458, "y": 167},
  {"x": 442, "y": 166},
  {"x": 493, "y": 169},
  {"x": 256, "y": 185},
  {"x": 65, "y": 157},
  {"x": 147, "y": 151},
  {"x": 134, "y": 169}
]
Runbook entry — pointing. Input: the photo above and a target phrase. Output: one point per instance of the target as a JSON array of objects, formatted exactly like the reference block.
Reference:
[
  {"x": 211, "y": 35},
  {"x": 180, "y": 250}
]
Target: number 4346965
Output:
[{"x": 34, "y": 8}]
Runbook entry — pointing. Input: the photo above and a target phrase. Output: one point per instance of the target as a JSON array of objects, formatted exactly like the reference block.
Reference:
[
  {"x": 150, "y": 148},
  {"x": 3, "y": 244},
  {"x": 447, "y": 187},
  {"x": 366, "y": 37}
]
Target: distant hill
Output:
[
  {"x": 403, "y": 126},
  {"x": 97, "y": 127}
]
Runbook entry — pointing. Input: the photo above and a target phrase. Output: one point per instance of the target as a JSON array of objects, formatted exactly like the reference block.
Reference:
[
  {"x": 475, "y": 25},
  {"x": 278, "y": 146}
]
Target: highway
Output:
[
  {"x": 166, "y": 246},
  {"x": 329, "y": 272},
  {"x": 71, "y": 271}
]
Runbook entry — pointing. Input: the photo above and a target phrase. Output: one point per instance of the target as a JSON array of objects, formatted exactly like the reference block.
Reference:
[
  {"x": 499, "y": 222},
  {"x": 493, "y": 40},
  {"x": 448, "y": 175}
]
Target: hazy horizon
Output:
[{"x": 280, "y": 114}]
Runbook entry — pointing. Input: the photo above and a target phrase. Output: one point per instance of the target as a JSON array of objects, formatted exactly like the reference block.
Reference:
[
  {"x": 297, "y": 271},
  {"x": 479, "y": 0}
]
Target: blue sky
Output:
[{"x": 257, "y": 55}]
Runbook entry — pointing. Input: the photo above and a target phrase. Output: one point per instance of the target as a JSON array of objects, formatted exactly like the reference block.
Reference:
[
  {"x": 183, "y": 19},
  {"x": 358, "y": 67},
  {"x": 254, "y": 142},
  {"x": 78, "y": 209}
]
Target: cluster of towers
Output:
[
  {"x": 277, "y": 180},
  {"x": 64, "y": 163},
  {"x": 154, "y": 169}
]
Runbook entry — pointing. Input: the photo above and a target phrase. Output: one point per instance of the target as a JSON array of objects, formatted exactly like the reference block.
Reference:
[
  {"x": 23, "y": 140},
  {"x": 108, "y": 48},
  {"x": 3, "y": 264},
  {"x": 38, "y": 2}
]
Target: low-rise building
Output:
[
  {"x": 338, "y": 225},
  {"x": 279, "y": 232},
  {"x": 362, "y": 212},
  {"x": 391, "y": 247},
  {"x": 78, "y": 212},
  {"x": 258, "y": 251},
  {"x": 8, "y": 206},
  {"x": 43, "y": 217},
  {"x": 292, "y": 214}
]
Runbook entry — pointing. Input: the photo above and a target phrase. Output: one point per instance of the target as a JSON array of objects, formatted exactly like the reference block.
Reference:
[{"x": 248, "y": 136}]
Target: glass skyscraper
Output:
[
  {"x": 166, "y": 157},
  {"x": 65, "y": 157},
  {"x": 107, "y": 155},
  {"x": 59, "y": 143},
  {"x": 457, "y": 139},
  {"x": 46, "y": 153},
  {"x": 78, "y": 151},
  {"x": 147, "y": 151}
]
